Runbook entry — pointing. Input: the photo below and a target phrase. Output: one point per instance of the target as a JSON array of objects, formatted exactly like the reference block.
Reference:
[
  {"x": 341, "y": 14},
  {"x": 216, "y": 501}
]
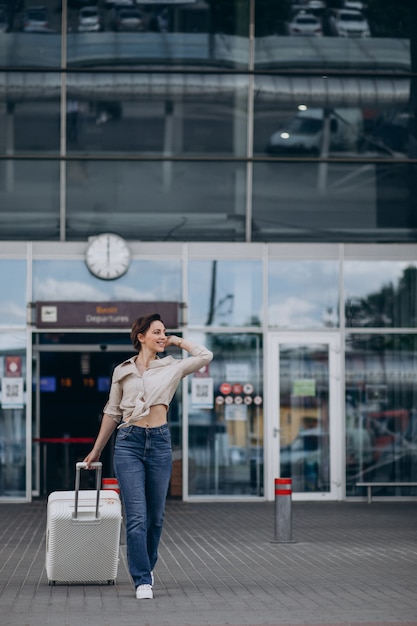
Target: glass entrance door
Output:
[{"x": 305, "y": 398}]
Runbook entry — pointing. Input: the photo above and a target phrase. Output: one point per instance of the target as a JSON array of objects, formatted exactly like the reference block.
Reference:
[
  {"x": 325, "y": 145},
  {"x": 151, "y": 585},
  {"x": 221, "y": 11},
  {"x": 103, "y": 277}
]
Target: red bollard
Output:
[
  {"x": 283, "y": 512},
  {"x": 110, "y": 484}
]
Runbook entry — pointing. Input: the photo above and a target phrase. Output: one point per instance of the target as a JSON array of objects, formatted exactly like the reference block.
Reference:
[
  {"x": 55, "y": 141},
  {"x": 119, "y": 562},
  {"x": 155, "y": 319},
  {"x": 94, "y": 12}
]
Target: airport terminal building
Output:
[{"x": 248, "y": 169}]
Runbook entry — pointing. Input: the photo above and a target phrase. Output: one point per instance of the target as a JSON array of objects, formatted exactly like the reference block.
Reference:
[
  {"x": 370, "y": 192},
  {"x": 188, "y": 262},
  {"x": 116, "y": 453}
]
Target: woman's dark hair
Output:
[{"x": 140, "y": 326}]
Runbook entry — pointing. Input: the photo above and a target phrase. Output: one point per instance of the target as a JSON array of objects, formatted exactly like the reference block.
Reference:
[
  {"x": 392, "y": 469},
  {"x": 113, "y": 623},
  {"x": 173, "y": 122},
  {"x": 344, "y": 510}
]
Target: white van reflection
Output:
[{"x": 304, "y": 133}]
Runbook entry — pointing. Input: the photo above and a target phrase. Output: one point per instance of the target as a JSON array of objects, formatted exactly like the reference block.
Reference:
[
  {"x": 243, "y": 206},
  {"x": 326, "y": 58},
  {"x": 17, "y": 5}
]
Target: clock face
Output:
[{"x": 108, "y": 256}]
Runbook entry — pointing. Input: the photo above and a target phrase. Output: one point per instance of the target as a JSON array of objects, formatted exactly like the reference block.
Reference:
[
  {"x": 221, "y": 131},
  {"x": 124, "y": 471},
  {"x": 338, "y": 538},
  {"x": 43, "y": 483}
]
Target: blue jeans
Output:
[{"x": 143, "y": 464}]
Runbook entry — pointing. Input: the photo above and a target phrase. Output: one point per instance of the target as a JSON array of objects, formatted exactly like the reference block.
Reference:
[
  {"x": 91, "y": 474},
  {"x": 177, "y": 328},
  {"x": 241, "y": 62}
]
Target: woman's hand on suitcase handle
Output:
[{"x": 91, "y": 458}]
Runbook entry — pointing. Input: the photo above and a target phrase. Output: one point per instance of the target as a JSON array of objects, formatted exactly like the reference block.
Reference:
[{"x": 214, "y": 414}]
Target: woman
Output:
[{"x": 141, "y": 391}]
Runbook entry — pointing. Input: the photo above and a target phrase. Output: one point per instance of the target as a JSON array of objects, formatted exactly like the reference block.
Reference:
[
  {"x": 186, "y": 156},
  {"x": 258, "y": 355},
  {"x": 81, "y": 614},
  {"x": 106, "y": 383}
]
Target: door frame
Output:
[{"x": 336, "y": 412}]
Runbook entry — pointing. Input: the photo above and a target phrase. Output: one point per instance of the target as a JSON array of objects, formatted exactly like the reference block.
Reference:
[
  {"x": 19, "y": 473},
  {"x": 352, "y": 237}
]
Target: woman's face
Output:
[{"x": 154, "y": 338}]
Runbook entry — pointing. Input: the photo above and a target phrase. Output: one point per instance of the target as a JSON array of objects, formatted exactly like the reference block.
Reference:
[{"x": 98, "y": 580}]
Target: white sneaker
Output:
[
  {"x": 152, "y": 579},
  {"x": 144, "y": 592}
]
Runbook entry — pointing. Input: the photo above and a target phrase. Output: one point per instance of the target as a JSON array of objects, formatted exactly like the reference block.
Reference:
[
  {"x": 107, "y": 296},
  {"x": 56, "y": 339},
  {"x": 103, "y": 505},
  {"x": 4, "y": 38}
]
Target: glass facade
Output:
[
  {"x": 201, "y": 117},
  {"x": 303, "y": 294},
  {"x": 380, "y": 294},
  {"x": 71, "y": 281},
  {"x": 225, "y": 450},
  {"x": 234, "y": 305},
  {"x": 163, "y": 200},
  {"x": 381, "y": 418},
  {"x": 225, "y": 293},
  {"x": 12, "y": 290},
  {"x": 259, "y": 158}
]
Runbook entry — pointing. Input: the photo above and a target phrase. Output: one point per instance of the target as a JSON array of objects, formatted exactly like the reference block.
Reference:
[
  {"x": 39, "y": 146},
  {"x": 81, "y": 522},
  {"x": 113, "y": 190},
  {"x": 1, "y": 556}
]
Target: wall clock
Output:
[{"x": 107, "y": 256}]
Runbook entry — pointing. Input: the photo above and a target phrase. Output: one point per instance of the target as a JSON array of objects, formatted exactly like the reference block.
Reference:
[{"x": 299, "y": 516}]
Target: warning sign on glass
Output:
[
  {"x": 13, "y": 366},
  {"x": 305, "y": 387}
]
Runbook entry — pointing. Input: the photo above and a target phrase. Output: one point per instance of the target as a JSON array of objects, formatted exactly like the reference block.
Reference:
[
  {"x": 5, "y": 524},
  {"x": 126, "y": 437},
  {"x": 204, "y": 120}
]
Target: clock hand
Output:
[{"x": 108, "y": 249}]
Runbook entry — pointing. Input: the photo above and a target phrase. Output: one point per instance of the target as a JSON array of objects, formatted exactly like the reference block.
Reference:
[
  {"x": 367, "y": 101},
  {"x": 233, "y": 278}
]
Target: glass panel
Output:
[
  {"x": 30, "y": 124},
  {"x": 226, "y": 431},
  {"x": 381, "y": 294},
  {"x": 271, "y": 18},
  {"x": 29, "y": 200},
  {"x": 13, "y": 293},
  {"x": 308, "y": 116},
  {"x": 336, "y": 202},
  {"x": 30, "y": 34},
  {"x": 381, "y": 419},
  {"x": 183, "y": 32},
  {"x": 164, "y": 114},
  {"x": 225, "y": 293},
  {"x": 337, "y": 53},
  {"x": 304, "y": 416},
  {"x": 157, "y": 201},
  {"x": 349, "y": 34},
  {"x": 360, "y": 115},
  {"x": 144, "y": 281},
  {"x": 303, "y": 294},
  {"x": 13, "y": 415}
]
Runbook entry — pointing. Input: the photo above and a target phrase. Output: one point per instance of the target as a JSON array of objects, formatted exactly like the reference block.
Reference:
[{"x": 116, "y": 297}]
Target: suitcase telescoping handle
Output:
[{"x": 78, "y": 467}]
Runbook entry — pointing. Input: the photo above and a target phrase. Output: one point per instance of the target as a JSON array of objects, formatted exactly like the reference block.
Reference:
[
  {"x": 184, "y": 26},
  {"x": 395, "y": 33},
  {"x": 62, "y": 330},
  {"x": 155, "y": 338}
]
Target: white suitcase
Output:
[{"x": 83, "y": 533}]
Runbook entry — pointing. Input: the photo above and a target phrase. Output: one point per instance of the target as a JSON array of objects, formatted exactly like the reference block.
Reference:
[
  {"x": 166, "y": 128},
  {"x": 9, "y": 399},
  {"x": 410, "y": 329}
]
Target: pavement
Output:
[{"x": 349, "y": 563}]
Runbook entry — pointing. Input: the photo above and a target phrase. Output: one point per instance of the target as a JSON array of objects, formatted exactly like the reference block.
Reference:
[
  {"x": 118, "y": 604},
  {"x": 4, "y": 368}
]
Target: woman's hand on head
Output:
[{"x": 173, "y": 340}]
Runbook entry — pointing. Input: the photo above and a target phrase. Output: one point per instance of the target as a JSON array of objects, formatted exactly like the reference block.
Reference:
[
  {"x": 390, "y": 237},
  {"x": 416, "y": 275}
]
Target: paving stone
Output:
[{"x": 350, "y": 564}]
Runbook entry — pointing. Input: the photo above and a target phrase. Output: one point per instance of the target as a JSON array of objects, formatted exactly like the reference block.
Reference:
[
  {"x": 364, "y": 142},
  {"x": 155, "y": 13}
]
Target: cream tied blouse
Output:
[{"x": 132, "y": 395}]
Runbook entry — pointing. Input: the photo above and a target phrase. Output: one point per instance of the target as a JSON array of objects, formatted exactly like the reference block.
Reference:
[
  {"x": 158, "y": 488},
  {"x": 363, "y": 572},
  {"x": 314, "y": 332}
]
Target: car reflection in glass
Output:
[
  {"x": 305, "y": 460},
  {"x": 128, "y": 19},
  {"x": 304, "y": 132},
  {"x": 36, "y": 20},
  {"x": 348, "y": 23},
  {"x": 89, "y": 20},
  {"x": 305, "y": 25}
]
